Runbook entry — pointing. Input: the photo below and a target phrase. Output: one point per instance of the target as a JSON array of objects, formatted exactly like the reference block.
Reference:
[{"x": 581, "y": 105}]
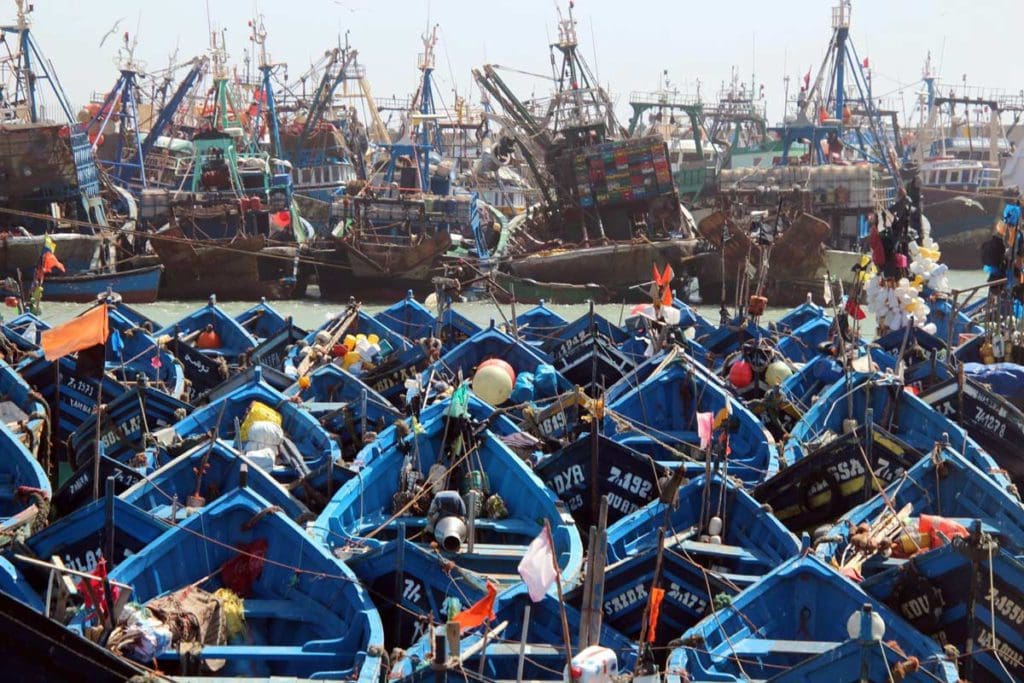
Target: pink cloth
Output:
[
  {"x": 537, "y": 568},
  {"x": 705, "y": 425}
]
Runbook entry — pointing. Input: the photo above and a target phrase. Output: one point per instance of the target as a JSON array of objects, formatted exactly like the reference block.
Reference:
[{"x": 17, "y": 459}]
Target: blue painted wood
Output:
[
  {"x": 931, "y": 591},
  {"x": 330, "y": 629},
  {"x": 545, "y": 660},
  {"x": 794, "y": 616},
  {"x": 367, "y": 501},
  {"x": 662, "y": 408},
  {"x": 944, "y": 484},
  {"x": 313, "y": 442},
  {"x": 235, "y": 339},
  {"x": 174, "y": 484}
]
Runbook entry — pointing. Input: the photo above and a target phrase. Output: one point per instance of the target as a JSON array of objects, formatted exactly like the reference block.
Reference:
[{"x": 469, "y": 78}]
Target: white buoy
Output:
[{"x": 493, "y": 381}]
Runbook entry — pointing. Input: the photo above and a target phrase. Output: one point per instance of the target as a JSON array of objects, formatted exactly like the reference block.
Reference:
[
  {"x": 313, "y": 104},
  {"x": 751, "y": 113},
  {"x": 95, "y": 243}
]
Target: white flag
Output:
[{"x": 537, "y": 566}]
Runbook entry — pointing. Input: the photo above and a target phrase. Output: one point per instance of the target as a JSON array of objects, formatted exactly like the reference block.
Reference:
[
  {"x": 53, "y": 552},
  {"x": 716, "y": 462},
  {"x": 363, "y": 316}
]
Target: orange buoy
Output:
[{"x": 208, "y": 339}]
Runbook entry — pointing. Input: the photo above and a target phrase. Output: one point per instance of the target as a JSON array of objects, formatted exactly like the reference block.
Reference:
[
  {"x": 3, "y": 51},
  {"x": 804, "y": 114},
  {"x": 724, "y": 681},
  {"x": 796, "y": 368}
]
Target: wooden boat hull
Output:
[
  {"x": 629, "y": 479},
  {"x": 246, "y": 268},
  {"x": 384, "y": 270},
  {"x": 37, "y": 648},
  {"x": 528, "y": 290},
  {"x": 796, "y": 259},
  {"x": 605, "y": 272}
]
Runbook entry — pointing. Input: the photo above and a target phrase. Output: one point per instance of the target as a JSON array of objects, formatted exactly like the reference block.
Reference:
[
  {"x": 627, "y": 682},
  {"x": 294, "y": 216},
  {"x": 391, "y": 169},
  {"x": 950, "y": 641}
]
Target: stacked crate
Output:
[{"x": 623, "y": 171}]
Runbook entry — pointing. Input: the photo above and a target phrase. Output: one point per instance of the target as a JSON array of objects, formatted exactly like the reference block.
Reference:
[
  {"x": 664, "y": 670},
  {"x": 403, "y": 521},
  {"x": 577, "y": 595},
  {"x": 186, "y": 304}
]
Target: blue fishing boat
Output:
[
  {"x": 243, "y": 378},
  {"x": 345, "y": 406},
  {"x": 946, "y": 486},
  {"x": 128, "y": 427},
  {"x": 74, "y": 384},
  {"x": 306, "y": 444},
  {"x": 804, "y": 617},
  {"x": 29, "y": 325},
  {"x": 589, "y": 352},
  {"x": 989, "y": 418},
  {"x": 305, "y": 614},
  {"x": 496, "y": 650},
  {"x": 15, "y": 587},
  {"x": 415, "y": 321},
  {"x": 140, "y": 412},
  {"x": 273, "y": 351},
  {"x": 398, "y": 359},
  {"x": 22, "y": 409},
  {"x": 782, "y": 406},
  {"x": 750, "y": 540},
  {"x": 798, "y": 316},
  {"x": 491, "y": 342},
  {"x": 133, "y": 353},
  {"x": 628, "y": 478},
  {"x": 658, "y": 416},
  {"x": 109, "y": 529},
  {"x": 539, "y": 324},
  {"x": 462, "y": 463},
  {"x": 137, "y": 285},
  {"x": 933, "y": 592},
  {"x": 413, "y": 586},
  {"x": 261, "y": 320},
  {"x": 213, "y": 332},
  {"x": 716, "y": 541},
  {"x": 830, "y": 452},
  {"x": 195, "y": 479},
  {"x": 23, "y": 483}
]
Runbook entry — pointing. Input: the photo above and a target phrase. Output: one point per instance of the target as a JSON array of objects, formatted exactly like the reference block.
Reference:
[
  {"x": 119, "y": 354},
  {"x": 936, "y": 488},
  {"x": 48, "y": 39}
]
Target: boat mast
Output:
[
  {"x": 259, "y": 39},
  {"x": 122, "y": 103}
]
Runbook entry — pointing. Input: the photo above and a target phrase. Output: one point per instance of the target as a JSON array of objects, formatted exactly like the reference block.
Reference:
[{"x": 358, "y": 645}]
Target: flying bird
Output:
[{"x": 112, "y": 31}]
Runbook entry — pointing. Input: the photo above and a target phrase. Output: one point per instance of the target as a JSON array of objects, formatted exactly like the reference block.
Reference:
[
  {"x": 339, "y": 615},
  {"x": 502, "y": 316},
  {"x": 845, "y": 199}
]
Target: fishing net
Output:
[
  {"x": 240, "y": 572},
  {"x": 233, "y": 608}
]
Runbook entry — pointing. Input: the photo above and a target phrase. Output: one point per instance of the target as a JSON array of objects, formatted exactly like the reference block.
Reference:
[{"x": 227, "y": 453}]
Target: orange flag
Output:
[
  {"x": 657, "y": 595},
  {"x": 51, "y": 263},
  {"x": 479, "y": 612},
  {"x": 88, "y": 329}
]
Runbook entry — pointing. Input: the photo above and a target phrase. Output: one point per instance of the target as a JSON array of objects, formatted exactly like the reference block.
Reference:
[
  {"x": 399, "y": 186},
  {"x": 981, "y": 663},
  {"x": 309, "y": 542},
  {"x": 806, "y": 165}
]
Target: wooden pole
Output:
[
  {"x": 597, "y": 582},
  {"x": 654, "y": 584},
  {"x": 588, "y": 604},
  {"x": 561, "y": 600},
  {"x": 108, "y": 527},
  {"x": 97, "y": 447},
  {"x": 399, "y": 581},
  {"x": 522, "y": 644}
]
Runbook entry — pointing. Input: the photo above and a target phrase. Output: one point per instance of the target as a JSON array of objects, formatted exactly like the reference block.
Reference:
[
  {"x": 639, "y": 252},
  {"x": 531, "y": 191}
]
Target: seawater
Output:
[{"x": 309, "y": 313}]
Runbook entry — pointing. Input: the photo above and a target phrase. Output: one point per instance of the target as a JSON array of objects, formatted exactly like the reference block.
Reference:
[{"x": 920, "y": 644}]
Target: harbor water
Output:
[{"x": 311, "y": 312}]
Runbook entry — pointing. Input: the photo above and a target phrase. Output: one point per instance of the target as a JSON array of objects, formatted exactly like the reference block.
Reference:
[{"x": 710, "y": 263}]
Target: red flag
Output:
[
  {"x": 50, "y": 262},
  {"x": 657, "y": 595},
  {"x": 94, "y": 587},
  {"x": 481, "y": 611},
  {"x": 865, "y": 62},
  {"x": 854, "y": 309},
  {"x": 807, "y": 79}
]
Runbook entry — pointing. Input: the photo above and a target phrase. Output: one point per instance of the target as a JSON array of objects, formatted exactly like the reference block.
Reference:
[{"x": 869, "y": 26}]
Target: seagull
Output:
[
  {"x": 967, "y": 201},
  {"x": 112, "y": 31}
]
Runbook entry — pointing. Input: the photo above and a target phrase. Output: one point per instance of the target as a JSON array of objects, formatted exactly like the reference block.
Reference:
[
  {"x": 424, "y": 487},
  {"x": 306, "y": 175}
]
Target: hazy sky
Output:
[{"x": 634, "y": 39}]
